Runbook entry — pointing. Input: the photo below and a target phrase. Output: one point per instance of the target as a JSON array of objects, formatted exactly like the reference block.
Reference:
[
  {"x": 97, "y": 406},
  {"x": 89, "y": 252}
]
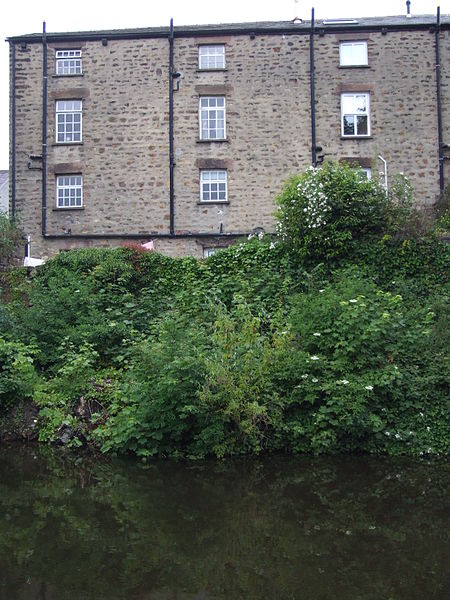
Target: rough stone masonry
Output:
[{"x": 123, "y": 154}]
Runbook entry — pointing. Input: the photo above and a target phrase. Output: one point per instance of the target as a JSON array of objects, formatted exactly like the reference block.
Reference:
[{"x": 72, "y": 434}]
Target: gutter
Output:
[{"x": 246, "y": 29}]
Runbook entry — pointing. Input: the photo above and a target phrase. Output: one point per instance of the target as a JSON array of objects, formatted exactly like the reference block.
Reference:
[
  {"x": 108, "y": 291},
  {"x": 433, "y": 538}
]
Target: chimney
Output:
[{"x": 408, "y": 9}]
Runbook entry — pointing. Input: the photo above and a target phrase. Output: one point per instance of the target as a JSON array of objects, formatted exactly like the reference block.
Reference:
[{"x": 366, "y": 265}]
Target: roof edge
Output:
[{"x": 272, "y": 27}]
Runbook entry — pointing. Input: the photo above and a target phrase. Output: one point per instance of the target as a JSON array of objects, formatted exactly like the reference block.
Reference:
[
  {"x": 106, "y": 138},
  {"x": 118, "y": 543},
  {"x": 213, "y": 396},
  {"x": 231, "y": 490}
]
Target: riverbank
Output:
[
  {"x": 20, "y": 423},
  {"x": 331, "y": 337}
]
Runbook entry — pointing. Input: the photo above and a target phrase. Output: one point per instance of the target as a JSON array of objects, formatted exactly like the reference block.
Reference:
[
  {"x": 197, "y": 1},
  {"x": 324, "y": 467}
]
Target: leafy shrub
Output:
[
  {"x": 10, "y": 239},
  {"x": 443, "y": 212},
  {"x": 323, "y": 212},
  {"x": 18, "y": 378},
  {"x": 360, "y": 367},
  {"x": 73, "y": 398},
  {"x": 413, "y": 267},
  {"x": 156, "y": 411},
  {"x": 238, "y": 396},
  {"x": 196, "y": 390},
  {"x": 333, "y": 339}
]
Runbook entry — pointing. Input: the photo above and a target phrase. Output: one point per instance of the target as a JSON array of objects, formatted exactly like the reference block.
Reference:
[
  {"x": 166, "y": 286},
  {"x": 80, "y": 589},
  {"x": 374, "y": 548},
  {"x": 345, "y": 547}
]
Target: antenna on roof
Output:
[{"x": 408, "y": 8}]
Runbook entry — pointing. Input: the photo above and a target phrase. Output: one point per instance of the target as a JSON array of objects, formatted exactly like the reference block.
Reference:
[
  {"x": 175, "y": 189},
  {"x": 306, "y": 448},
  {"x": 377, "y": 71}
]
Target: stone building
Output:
[
  {"x": 4, "y": 192},
  {"x": 185, "y": 135}
]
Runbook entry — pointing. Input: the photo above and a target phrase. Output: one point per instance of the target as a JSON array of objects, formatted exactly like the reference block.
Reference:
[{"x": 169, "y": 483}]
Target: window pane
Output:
[
  {"x": 212, "y": 118},
  {"x": 353, "y": 53},
  {"x": 361, "y": 103},
  {"x": 212, "y": 57},
  {"x": 348, "y": 104},
  {"x": 69, "y": 191},
  {"x": 68, "y": 120},
  {"x": 349, "y": 125},
  {"x": 215, "y": 189},
  {"x": 362, "y": 125}
]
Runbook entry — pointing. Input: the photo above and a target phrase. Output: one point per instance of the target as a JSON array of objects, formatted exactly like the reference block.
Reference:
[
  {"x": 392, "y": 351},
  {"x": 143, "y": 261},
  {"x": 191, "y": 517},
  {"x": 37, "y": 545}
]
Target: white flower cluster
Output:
[
  {"x": 316, "y": 206},
  {"x": 258, "y": 235}
]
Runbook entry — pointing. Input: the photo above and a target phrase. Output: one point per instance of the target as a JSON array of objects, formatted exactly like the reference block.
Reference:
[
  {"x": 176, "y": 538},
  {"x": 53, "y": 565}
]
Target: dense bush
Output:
[
  {"x": 18, "y": 378},
  {"x": 360, "y": 368},
  {"x": 332, "y": 337},
  {"x": 324, "y": 212},
  {"x": 10, "y": 239}
]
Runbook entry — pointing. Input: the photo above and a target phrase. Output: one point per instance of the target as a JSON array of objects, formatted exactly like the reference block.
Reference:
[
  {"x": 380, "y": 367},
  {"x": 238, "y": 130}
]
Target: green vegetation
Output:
[
  {"x": 10, "y": 239},
  {"x": 330, "y": 337}
]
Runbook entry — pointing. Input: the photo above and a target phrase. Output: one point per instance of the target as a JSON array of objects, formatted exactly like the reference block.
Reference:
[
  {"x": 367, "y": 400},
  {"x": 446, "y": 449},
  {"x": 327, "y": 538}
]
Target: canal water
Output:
[{"x": 281, "y": 528}]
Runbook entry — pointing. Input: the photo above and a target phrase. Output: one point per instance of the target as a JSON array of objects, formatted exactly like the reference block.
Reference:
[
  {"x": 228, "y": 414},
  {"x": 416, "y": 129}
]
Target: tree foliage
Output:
[{"x": 331, "y": 337}]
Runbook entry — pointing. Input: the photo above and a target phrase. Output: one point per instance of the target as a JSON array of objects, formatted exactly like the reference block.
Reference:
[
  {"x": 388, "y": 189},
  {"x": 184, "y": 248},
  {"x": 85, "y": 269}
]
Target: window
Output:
[
  {"x": 209, "y": 252},
  {"x": 212, "y": 118},
  {"x": 213, "y": 186},
  {"x": 68, "y": 121},
  {"x": 355, "y": 115},
  {"x": 367, "y": 172},
  {"x": 211, "y": 57},
  {"x": 68, "y": 62},
  {"x": 353, "y": 54},
  {"x": 69, "y": 191}
]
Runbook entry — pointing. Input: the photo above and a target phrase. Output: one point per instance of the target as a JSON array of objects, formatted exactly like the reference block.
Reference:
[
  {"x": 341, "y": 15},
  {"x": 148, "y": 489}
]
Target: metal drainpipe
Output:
[
  {"x": 313, "y": 107},
  {"x": 13, "y": 131},
  {"x": 171, "y": 157},
  {"x": 44, "y": 131},
  {"x": 439, "y": 102}
]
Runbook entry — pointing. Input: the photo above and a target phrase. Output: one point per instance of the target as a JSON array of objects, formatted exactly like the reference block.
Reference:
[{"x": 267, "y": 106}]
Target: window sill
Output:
[
  {"x": 66, "y": 208},
  {"x": 226, "y": 140},
  {"x": 67, "y": 144},
  {"x": 211, "y": 70},
  {"x": 354, "y": 67},
  {"x": 356, "y": 137},
  {"x": 202, "y": 202},
  {"x": 57, "y": 76}
]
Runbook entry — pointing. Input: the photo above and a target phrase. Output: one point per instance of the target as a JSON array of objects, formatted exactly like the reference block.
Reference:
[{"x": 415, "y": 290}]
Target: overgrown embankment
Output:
[{"x": 330, "y": 337}]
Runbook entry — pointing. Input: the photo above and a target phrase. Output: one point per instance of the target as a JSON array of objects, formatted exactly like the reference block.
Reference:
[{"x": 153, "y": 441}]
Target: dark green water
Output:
[{"x": 279, "y": 528}]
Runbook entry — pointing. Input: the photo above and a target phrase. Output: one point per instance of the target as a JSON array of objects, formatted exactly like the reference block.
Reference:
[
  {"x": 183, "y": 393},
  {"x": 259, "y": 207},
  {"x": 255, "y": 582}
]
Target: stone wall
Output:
[
  {"x": 401, "y": 81},
  {"x": 445, "y": 99},
  {"x": 124, "y": 154}
]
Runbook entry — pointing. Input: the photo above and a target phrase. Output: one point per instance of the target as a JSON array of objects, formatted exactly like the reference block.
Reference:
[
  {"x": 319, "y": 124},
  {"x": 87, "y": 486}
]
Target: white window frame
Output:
[
  {"x": 355, "y": 113},
  {"x": 68, "y": 114},
  {"x": 207, "y": 252},
  {"x": 213, "y": 185},
  {"x": 211, "y": 57},
  {"x": 68, "y": 62},
  {"x": 69, "y": 191},
  {"x": 209, "y": 115},
  {"x": 367, "y": 171},
  {"x": 353, "y": 54}
]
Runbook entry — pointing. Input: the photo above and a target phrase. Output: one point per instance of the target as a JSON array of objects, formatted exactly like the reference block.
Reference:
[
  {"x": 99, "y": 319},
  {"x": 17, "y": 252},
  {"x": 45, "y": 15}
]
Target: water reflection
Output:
[{"x": 279, "y": 528}]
